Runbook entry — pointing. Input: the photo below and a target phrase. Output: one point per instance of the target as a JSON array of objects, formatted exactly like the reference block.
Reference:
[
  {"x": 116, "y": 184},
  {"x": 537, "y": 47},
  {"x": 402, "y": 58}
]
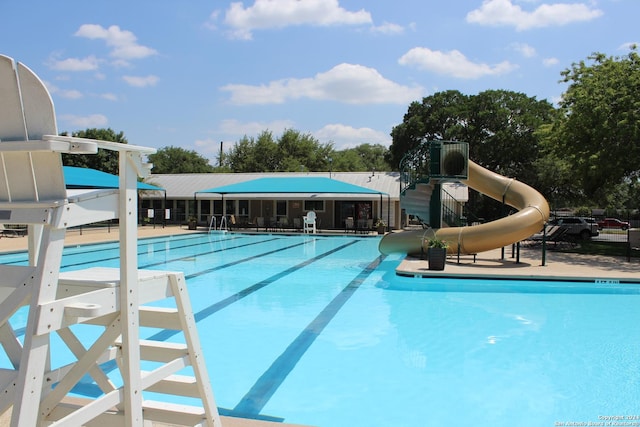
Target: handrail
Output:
[
  {"x": 212, "y": 223},
  {"x": 414, "y": 167}
]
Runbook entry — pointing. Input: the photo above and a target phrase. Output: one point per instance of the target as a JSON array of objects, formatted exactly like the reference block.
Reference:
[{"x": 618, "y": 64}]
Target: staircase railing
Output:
[
  {"x": 414, "y": 167},
  {"x": 452, "y": 216},
  {"x": 450, "y": 210}
]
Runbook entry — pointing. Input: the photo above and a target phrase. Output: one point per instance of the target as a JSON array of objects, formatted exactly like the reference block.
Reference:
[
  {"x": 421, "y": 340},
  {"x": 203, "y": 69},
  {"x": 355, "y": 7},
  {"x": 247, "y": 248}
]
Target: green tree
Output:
[
  {"x": 502, "y": 131},
  {"x": 440, "y": 116},
  {"x": 364, "y": 157},
  {"x": 555, "y": 174},
  {"x": 303, "y": 151},
  {"x": 500, "y": 126},
  {"x": 104, "y": 160},
  {"x": 179, "y": 160},
  {"x": 293, "y": 151},
  {"x": 253, "y": 155},
  {"x": 599, "y": 131}
]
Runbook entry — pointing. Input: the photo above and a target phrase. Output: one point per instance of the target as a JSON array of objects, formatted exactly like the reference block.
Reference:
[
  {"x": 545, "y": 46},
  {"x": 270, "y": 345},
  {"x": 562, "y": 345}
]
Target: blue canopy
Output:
[
  {"x": 75, "y": 177},
  {"x": 286, "y": 185}
]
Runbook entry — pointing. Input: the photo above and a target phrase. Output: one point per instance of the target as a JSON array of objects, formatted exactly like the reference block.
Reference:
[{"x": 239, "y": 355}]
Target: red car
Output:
[{"x": 613, "y": 223}]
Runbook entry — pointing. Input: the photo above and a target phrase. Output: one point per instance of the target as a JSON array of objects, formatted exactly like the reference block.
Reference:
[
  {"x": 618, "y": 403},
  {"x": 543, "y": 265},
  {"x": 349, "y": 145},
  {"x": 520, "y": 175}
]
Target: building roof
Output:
[
  {"x": 75, "y": 177},
  {"x": 291, "y": 185},
  {"x": 185, "y": 186},
  {"x": 181, "y": 186}
]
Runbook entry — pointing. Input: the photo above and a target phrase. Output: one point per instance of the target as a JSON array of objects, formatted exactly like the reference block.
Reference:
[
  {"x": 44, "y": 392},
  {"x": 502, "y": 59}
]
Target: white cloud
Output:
[
  {"x": 629, "y": 45},
  {"x": 388, "y": 28},
  {"x": 452, "y": 63},
  {"x": 348, "y": 83},
  {"x": 138, "y": 81},
  {"x": 525, "y": 50},
  {"x": 70, "y": 94},
  {"x": 89, "y": 63},
  {"x": 550, "y": 62},
  {"x": 505, "y": 13},
  {"x": 83, "y": 122},
  {"x": 123, "y": 43},
  {"x": 63, "y": 93},
  {"x": 265, "y": 14},
  {"x": 109, "y": 96},
  {"x": 344, "y": 136}
]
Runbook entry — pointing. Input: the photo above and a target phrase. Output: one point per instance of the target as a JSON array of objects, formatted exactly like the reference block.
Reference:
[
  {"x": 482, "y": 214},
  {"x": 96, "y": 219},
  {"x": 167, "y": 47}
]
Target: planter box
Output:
[{"x": 437, "y": 258}]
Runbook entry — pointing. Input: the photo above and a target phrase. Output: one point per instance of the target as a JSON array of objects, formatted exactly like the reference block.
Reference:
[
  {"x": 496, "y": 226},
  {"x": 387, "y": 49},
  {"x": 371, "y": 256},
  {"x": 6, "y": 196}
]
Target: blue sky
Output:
[{"x": 194, "y": 73}]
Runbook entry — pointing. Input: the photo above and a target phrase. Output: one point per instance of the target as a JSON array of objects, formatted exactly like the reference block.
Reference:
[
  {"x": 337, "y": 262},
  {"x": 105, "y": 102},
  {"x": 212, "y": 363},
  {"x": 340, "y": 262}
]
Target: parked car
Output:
[
  {"x": 583, "y": 228},
  {"x": 613, "y": 223}
]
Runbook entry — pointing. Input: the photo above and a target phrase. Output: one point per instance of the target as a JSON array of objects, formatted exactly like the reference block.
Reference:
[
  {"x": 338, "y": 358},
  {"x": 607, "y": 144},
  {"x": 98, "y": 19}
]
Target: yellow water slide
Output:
[{"x": 533, "y": 213}]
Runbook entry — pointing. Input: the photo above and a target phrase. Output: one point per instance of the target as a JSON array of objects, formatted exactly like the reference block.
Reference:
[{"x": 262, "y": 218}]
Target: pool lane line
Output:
[
  {"x": 111, "y": 246},
  {"x": 91, "y": 390},
  {"x": 269, "y": 382},
  {"x": 191, "y": 256},
  {"x": 213, "y": 308},
  {"x": 141, "y": 266}
]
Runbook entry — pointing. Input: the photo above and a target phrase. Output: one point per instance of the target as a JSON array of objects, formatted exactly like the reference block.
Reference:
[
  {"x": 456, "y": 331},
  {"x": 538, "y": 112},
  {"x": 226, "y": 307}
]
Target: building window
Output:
[
  {"x": 205, "y": 210},
  {"x": 230, "y": 208},
  {"x": 281, "y": 208},
  {"x": 314, "y": 205},
  {"x": 180, "y": 210},
  {"x": 243, "y": 207},
  {"x": 217, "y": 207}
]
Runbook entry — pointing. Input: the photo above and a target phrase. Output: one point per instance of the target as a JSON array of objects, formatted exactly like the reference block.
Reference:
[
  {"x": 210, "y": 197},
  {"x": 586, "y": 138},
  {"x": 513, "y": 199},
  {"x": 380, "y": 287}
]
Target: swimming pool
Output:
[{"x": 320, "y": 331}]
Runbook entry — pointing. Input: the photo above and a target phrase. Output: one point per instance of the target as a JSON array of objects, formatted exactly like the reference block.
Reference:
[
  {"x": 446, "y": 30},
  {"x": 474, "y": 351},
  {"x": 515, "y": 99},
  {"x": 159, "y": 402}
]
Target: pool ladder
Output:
[{"x": 223, "y": 224}]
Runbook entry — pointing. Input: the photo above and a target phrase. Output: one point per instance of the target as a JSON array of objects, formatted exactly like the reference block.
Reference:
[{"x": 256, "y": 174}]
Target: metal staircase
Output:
[{"x": 421, "y": 170}]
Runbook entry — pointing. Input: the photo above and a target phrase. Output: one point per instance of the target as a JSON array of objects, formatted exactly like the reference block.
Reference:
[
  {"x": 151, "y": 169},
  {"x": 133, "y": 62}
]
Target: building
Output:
[{"x": 183, "y": 198}]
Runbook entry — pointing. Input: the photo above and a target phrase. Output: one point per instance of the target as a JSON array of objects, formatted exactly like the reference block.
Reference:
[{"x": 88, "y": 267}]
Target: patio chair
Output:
[
  {"x": 349, "y": 225},
  {"x": 15, "y": 231},
  {"x": 32, "y": 192},
  {"x": 283, "y": 223},
  {"x": 309, "y": 222}
]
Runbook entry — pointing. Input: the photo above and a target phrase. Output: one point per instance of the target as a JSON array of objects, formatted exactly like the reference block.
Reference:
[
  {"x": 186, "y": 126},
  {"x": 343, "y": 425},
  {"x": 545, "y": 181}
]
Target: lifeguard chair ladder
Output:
[{"x": 116, "y": 301}]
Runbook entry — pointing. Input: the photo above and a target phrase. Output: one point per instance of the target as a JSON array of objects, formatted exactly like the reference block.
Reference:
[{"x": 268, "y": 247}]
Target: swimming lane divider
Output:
[
  {"x": 266, "y": 386},
  {"x": 163, "y": 250},
  {"x": 191, "y": 256},
  {"x": 208, "y": 311}
]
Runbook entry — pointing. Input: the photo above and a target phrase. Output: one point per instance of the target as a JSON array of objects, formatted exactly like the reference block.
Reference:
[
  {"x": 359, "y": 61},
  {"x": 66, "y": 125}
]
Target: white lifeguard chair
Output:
[
  {"x": 309, "y": 222},
  {"x": 116, "y": 301}
]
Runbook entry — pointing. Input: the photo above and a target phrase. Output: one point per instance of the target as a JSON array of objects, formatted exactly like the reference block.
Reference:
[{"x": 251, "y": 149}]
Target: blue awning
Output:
[
  {"x": 76, "y": 177},
  {"x": 295, "y": 185}
]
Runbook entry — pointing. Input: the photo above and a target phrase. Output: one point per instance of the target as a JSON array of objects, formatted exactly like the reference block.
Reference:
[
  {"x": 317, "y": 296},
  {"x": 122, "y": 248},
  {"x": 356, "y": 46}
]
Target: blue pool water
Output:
[{"x": 320, "y": 331}]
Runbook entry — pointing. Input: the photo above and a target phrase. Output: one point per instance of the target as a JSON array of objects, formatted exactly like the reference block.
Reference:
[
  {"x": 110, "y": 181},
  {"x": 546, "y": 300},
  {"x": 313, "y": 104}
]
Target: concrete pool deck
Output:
[
  {"x": 558, "y": 265},
  {"x": 491, "y": 264}
]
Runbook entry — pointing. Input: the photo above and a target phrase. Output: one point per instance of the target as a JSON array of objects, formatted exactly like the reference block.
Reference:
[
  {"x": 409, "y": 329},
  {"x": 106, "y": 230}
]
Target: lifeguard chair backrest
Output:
[{"x": 26, "y": 114}]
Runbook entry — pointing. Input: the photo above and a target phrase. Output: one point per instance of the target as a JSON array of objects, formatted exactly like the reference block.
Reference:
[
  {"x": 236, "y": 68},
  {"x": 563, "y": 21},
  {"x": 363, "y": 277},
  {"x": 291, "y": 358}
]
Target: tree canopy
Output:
[
  {"x": 500, "y": 127},
  {"x": 599, "y": 130},
  {"x": 179, "y": 160},
  {"x": 294, "y": 151},
  {"x": 104, "y": 160}
]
